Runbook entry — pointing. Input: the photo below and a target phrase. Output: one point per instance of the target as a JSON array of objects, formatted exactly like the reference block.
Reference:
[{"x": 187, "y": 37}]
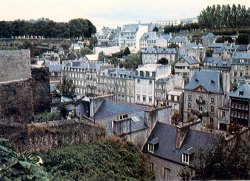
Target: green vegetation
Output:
[
  {"x": 163, "y": 61},
  {"x": 14, "y": 166},
  {"x": 132, "y": 61},
  {"x": 109, "y": 159},
  {"x": 66, "y": 87},
  {"x": 47, "y": 28},
  {"x": 217, "y": 16},
  {"x": 45, "y": 117},
  {"x": 225, "y": 161}
]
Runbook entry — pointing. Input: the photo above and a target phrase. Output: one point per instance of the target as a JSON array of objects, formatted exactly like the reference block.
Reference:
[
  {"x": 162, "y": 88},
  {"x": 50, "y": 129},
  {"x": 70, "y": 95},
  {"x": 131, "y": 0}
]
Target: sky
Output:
[{"x": 110, "y": 13}]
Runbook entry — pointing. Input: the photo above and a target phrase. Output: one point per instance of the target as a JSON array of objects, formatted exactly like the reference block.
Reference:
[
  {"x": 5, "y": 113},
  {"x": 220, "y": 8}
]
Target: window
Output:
[
  {"x": 189, "y": 97},
  {"x": 138, "y": 97},
  {"x": 150, "y": 99},
  {"x": 166, "y": 173},
  {"x": 138, "y": 80},
  {"x": 212, "y": 100},
  {"x": 150, "y": 82},
  {"x": 212, "y": 109},
  {"x": 144, "y": 98},
  {"x": 185, "y": 158},
  {"x": 189, "y": 105},
  {"x": 151, "y": 148},
  {"x": 200, "y": 107},
  {"x": 151, "y": 167}
]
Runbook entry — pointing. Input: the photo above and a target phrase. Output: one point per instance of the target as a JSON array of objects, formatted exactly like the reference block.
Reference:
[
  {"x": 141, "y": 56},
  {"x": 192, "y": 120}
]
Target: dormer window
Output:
[
  {"x": 187, "y": 155},
  {"x": 152, "y": 144}
]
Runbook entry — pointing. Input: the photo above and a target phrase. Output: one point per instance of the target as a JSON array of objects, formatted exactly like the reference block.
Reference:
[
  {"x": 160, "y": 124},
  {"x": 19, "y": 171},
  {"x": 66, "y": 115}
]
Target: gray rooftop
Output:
[
  {"x": 159, "y": 50},
  {"x": 243, "y": 91},
  {"x": 166, "y": 147},
  {"x": 112, "y": 108},
  {"x": 208, "y": 79},
  {"x": 190, "y": 60},
  {"x": 208, "y": 36}
]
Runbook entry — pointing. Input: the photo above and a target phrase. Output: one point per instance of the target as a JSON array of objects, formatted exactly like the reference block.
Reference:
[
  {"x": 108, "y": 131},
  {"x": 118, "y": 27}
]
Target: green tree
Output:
[
  {"x": 81, "y": 28},
  {"x": 243, "y": 39},
  {"x": 66, "y": 87},
  {"x": 227, "y": 160},
  {"x": 84, "y": 51},
  {"x": 132, "y": 61},
  {"x": 14, "y": 166},
  {"x": 156, "y": 29},
  {"x": 163, "y": 61},
  {"x": 126, "y": 51}
]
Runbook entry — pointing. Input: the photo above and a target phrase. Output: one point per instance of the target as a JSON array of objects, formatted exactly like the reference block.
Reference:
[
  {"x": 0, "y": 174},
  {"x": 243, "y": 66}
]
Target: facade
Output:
[
  {"x": 175, "y": 100},
  {"x": 184, "y": 66},
  {"x": 240, "y": 66},
  {"x": 208, "y": 39},
  {"x": 130, "y": 35},
  {"x": 239, "y": 105},
  {"x": 192, "y": 50},
  {"x": 152, "y": 55},
  {"x": 145, "y": 78},
  {"x": 117, "y": 81},
  {"x": 173, "y": 148},
  {"x": 204, "y": 95},
  {"x": 164, "y": 85},
  {"x": 178, "y": 40},
  {"x": 83, "y": 74}
]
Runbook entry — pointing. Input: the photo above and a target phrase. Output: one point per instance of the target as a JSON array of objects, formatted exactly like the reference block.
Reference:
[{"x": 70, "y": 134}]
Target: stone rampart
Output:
[
  {"x": 16, "y": 102},
  {"x": 14, "y": 65}
]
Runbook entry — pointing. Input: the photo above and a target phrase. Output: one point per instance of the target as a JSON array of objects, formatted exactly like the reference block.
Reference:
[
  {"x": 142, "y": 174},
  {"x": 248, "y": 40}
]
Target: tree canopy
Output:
[
  {"x": 227, "y": 160},
  {"x": 66, "y": 87},
  {"x": 217, "y": 16},
  {"x": 47, "y": 28}
]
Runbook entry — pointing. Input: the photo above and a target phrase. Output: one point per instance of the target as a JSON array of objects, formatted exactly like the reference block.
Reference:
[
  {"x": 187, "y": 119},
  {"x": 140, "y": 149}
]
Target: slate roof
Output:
[
  {"x": 190, "y": 60},
  {"x": 208, "y": 36},
  {"x": 166, "y": 148},
  {"x": 178, "y": 39},
  {"x": 112, "y": 108},
  {"x": 241, "y": 55},
  {"x": 216, "y": 61},
  {"x": 216, "y": 45},
  {"x": 208, "y": 79},
  {"x": 243, "y": 91},
  {"x": 159, "y": 50}
]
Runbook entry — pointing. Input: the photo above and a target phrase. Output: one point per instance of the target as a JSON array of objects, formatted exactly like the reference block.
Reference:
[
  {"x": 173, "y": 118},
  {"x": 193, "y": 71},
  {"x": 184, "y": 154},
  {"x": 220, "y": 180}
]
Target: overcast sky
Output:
[{"x": 107, "y": 12}]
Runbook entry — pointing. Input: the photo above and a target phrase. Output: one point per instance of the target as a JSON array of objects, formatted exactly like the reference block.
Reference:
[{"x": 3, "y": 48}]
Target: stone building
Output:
[
  {"x": 184, "y": 66},
  {"x": 22, "y": 92},
  {"x": 206, "y": 92},
  {"x": 83, "y": 74},
  {"x": 239, "y": 105},
  {"x": 117, "y": 81},
  {"x": 240, "y": 66},
  {"x": 173, "y": 148},
  {"x": 152, "y": 55},
  {"x": 145, "y": 79}
]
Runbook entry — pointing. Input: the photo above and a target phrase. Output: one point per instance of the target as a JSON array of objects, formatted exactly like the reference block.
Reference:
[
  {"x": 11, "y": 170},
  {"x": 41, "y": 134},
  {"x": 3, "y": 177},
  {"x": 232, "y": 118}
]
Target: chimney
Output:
[{"x": 181, "y": 133}]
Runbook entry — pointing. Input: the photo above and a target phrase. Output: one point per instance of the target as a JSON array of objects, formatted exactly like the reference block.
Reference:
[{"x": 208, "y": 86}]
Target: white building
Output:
[
  {"x": 152, "y": 55},
  {"x": 130, "y": 35},
  {"x": 145, "y": 82}
]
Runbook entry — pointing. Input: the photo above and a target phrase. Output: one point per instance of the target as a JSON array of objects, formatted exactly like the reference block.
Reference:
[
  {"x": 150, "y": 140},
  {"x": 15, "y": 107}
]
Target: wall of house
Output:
[
  {"x": 159, "y": 165},
  {"x": 41, "y": 89},
  {"x": 138, "y": 138},
  {"x": 15, "y": 65},
  {"x": 16, "y": 102}
]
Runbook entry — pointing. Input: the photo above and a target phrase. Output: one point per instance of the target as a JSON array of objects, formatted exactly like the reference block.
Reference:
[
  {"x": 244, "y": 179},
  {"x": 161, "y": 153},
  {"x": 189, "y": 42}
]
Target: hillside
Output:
[{"x": 108, "y": 159}]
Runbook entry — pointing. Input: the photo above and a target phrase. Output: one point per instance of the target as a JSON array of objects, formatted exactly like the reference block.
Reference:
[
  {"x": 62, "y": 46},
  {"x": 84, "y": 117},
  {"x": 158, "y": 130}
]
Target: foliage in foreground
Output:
[
  {"x": 225, "y": 161},
  {"x": 15, "y": 166},
  {"x": 109, "y": 159}
]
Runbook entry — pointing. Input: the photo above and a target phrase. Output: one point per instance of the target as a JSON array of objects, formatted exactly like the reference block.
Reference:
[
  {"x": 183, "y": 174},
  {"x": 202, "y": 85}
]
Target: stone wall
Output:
[
  {"x": 43, "y": 136},
  {"x": 41, "y": 89},
  {"x": 16, "y": 102},
  {"x": 14, "y": 65}
]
